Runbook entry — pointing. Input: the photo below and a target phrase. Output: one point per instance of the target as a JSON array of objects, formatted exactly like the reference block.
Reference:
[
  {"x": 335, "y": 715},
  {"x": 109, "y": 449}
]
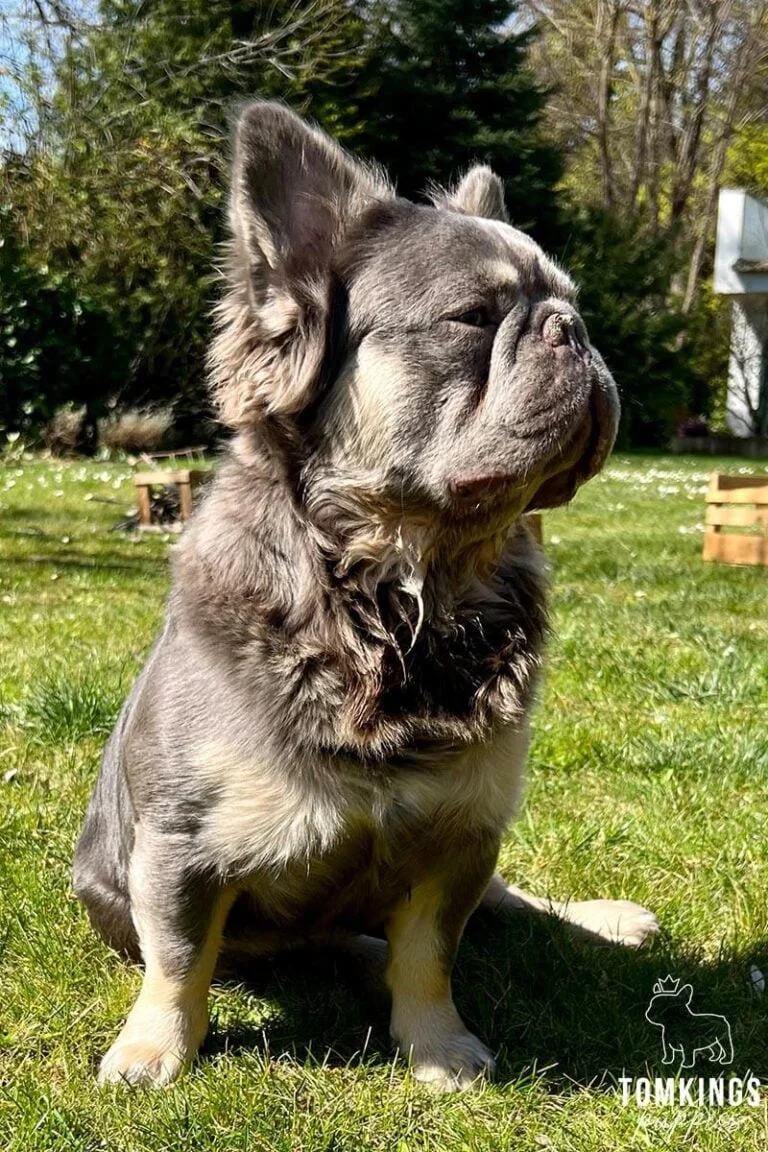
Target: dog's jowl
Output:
[{"x": 328, "y": 739}]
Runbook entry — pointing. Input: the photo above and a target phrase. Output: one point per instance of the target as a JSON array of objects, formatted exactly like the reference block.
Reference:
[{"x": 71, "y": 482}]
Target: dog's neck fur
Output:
[
  {"x": 425, "y": 563},
  {"x": 424, "y": 648}
]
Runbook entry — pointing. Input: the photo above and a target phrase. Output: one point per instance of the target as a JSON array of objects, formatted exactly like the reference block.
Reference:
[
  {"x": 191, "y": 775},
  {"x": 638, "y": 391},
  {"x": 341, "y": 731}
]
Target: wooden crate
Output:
[
  {"x": 737, "y": 502},
  {"x": 185, "y": 479},
  {"x": 194, "y": 454}
]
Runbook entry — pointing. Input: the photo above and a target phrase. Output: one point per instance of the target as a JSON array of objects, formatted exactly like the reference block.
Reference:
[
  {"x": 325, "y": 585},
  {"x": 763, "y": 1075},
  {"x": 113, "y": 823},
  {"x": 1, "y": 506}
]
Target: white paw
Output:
[
  {"x": 453, "y": 1062},
  {"x": 616, "y": 921},
  {"x": 141, "y": 1064}
]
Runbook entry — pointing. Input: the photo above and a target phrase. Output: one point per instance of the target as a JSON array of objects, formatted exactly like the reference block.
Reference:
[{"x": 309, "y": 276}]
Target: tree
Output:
[
  {"x": 624, "y": 278},
  {"x": 120, "y": 181},
  {"x": 651, "y": 98},
  {"x": 650, "y": 94},
  {"x": 445, "y": 83},
  {"x": 55, "y": 345}
]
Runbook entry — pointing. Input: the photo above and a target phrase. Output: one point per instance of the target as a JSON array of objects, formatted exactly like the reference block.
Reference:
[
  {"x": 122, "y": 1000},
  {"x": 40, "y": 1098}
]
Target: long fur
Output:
[{"x": 330, "y": 733}]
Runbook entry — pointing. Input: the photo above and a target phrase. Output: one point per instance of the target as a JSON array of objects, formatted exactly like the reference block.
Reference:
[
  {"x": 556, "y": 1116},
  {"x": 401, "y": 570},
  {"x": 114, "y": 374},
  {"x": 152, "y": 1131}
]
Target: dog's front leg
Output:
[
  {"x": 179, "y": 918},
  {"x": 424, "y": 933}
]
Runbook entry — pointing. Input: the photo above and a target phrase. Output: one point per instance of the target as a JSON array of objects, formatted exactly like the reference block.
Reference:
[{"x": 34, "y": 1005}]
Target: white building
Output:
[{"x": 741, "y": 271}]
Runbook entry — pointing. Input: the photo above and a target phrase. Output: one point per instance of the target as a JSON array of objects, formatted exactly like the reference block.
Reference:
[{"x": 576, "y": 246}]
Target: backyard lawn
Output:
[{"x": 648, "y": 780}]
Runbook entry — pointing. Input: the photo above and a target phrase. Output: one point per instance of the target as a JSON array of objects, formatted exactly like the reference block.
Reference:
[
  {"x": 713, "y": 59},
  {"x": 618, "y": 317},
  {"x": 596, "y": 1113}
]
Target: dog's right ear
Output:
[
  {"x": 479, "y": 193},
  {"x": 294, "y": 192}
]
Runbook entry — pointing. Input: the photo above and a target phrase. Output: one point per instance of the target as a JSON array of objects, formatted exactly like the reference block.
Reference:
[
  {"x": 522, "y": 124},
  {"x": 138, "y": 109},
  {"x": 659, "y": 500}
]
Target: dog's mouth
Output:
[
  {"x": 585, "y": 458},
  {"x": 581, "y": 456}
]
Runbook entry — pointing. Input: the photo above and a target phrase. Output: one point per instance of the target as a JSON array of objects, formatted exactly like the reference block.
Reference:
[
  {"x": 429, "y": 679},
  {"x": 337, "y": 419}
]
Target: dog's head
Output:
[{"x": 426, "y": 360}]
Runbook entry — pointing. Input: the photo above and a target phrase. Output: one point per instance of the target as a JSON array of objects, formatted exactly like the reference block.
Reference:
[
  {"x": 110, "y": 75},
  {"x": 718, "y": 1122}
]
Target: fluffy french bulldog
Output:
[{"x": 328, "y": 740}]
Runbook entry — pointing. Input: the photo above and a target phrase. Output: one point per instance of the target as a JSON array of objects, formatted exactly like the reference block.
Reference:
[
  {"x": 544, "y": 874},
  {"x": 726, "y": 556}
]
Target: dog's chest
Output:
[{"x": 304, "y": 835}]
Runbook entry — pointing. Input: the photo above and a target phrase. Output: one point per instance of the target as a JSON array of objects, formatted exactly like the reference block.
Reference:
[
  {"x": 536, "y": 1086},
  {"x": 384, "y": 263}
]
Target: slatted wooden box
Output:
[{"x": 737, "y": 502}]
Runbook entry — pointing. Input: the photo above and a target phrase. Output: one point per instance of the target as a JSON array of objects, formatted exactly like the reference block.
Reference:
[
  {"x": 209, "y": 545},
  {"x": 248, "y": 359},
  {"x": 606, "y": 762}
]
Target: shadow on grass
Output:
[
  {"x": 571, "y": 1011},
  {"x": 30, "y": 514},
  {"x": 107, "y": 561}
]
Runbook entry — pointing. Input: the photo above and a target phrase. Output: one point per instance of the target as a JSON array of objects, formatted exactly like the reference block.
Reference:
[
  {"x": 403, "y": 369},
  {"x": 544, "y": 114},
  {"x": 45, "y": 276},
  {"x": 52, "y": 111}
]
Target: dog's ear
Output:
[
  {"x": 480, "y": 193},
  {"x": 293, "y": 194},
  {"x": 293, "y": 191}
]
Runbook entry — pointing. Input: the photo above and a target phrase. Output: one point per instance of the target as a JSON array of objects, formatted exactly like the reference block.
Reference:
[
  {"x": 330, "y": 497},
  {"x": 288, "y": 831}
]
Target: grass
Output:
[{"x": 648, "y": 779}]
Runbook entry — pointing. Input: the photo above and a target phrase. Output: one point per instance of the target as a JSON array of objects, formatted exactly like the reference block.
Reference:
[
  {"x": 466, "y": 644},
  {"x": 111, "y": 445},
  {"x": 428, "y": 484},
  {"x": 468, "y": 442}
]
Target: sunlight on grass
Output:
[
  {"x": 71, "y": 706},
  {"x": 648, "y": 780}
]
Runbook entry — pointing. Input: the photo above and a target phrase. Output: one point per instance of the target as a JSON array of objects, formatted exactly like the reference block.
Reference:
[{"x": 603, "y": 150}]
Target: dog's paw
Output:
[
  {"x": 615, "y": 921},
  {"x": 141, "y": 1063},
  {"x": 453, "y": 1063},
  {"x": 155, "y": 1045}
]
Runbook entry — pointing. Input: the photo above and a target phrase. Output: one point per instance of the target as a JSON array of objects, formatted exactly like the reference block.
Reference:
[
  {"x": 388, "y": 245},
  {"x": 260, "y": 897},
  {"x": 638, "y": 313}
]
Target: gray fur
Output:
[
  {"x": 480, "y": 193},
  {"x": 335, "y": 713}
]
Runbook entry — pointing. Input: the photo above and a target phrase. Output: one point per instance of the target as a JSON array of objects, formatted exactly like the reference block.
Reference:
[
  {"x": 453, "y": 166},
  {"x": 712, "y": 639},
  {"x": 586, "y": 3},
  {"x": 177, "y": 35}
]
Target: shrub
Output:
[
  {"x": 137, "y": 430},
  {"x": 63, "y": 433}
]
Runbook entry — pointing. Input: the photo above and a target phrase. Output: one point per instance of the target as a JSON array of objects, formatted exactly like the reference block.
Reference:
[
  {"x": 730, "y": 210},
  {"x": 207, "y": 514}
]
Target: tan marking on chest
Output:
[{"x": 262, "y": 818}]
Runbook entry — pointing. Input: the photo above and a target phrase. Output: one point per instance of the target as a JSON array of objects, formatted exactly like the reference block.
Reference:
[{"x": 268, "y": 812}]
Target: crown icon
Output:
[{"x": 666, "y": 987}]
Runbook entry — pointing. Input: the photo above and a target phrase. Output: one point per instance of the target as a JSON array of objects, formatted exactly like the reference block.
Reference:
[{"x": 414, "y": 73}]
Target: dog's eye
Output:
[{"x": 475, "y": 318}]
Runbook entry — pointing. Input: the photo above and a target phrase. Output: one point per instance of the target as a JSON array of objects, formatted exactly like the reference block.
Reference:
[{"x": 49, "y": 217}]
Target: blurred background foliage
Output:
[{"x": 613, "y": 124}]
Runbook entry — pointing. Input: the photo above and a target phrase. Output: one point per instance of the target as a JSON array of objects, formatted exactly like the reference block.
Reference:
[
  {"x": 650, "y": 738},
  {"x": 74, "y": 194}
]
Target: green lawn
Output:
[{"x": 649, "y": 779}]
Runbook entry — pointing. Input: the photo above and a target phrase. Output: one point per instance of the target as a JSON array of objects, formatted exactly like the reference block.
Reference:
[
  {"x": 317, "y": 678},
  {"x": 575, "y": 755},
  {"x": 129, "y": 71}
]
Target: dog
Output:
[{"x": 328, "y": 739}]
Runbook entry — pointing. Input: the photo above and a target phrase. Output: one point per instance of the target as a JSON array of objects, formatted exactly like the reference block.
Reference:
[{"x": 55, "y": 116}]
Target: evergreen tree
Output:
[
  {"x": 623, "y": 277},
  {"x": 445, "y": 85}
]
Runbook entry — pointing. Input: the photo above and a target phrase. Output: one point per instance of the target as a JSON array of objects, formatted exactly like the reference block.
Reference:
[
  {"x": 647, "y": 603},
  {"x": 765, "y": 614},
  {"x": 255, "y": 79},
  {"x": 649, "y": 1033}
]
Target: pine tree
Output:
[{"x": 445, "y": 85}]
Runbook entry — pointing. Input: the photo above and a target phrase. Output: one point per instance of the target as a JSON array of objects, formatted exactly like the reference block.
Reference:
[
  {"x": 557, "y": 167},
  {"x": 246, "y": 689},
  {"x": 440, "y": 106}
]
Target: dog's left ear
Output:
[
  {"x": 480, "y": 193},
  {"x": 294, "y": 192}
]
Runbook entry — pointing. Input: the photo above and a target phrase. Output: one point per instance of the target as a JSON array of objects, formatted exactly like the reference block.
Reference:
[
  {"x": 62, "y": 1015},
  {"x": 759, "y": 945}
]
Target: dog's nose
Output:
[
  {"x": 560, "y": 328},
  {"x": 565, "y": 328}
]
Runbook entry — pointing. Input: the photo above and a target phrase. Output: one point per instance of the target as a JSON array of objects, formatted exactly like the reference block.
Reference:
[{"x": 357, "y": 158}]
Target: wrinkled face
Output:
[
  {"x": 422, "y": 360},
  {"x": 469, "y": 378}
]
